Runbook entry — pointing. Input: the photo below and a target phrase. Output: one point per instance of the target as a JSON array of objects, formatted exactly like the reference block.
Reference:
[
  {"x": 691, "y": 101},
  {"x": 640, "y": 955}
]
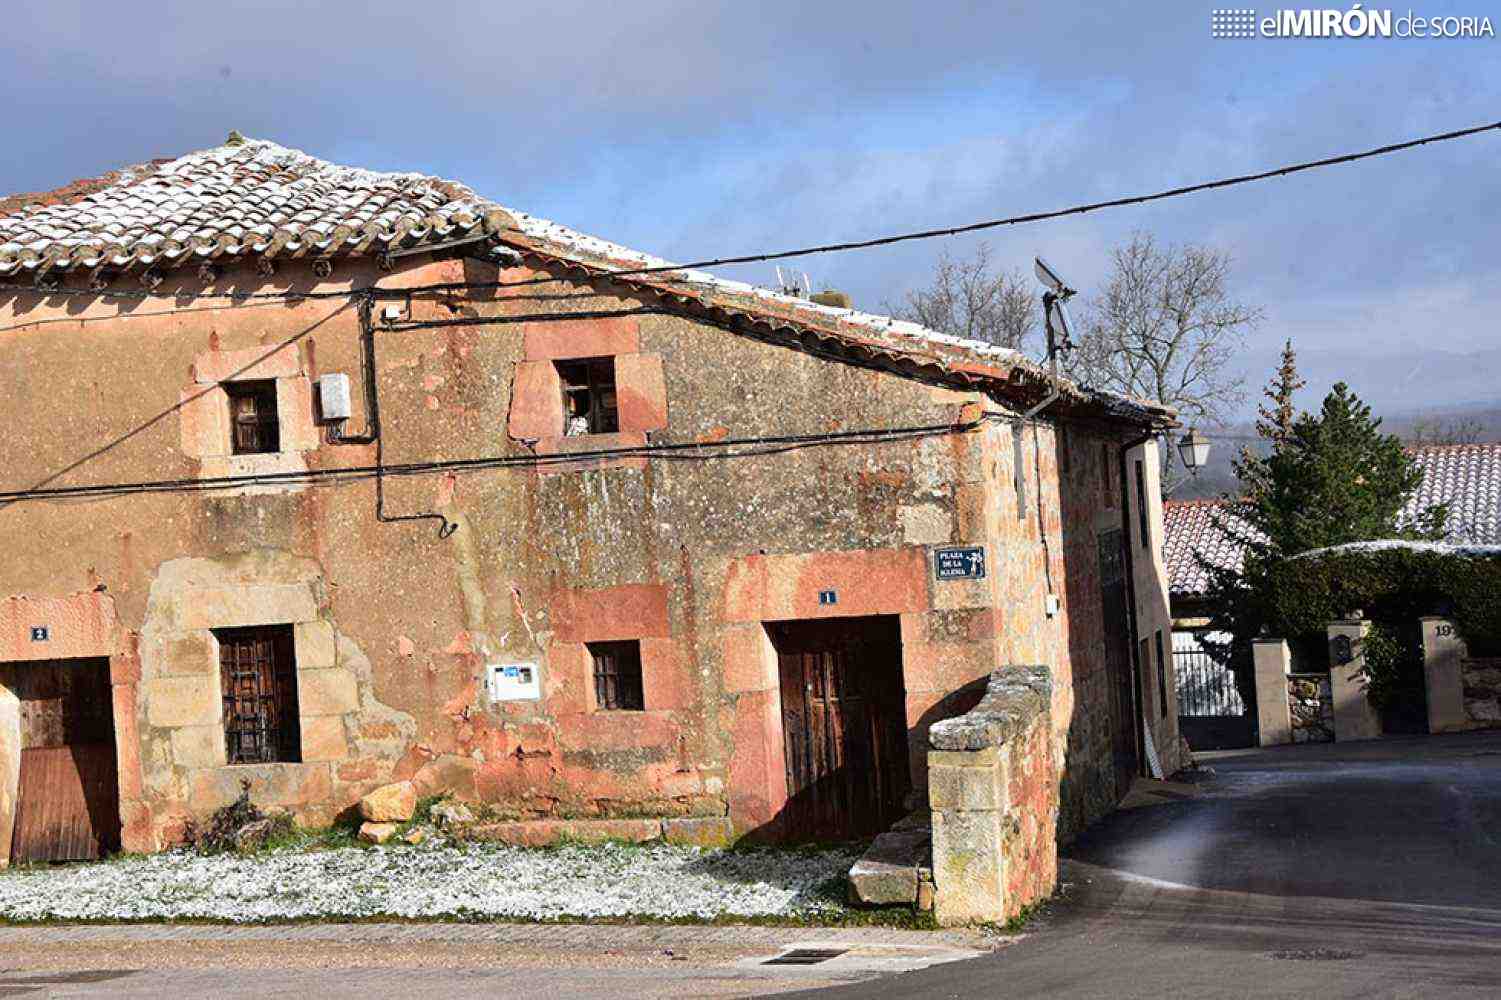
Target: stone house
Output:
[{"x": 319, "y": 478}]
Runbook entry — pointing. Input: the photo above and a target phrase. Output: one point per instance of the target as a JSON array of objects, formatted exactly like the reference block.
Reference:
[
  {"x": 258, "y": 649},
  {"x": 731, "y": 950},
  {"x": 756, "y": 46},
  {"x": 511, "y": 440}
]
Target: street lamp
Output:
[{"x": 1194, "y": 447}]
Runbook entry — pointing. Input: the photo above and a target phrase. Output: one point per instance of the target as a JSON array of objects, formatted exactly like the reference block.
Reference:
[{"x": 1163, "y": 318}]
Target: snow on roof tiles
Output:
[
  {"x": 244, "y": 198},
  {"x": 251, "y": 198},
  {"x": 1464, "y": 477}
]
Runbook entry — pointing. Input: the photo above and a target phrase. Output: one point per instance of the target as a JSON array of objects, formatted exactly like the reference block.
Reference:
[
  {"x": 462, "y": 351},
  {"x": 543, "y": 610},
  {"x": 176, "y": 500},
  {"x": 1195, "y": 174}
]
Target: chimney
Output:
[{"x": 835, "y": 299}]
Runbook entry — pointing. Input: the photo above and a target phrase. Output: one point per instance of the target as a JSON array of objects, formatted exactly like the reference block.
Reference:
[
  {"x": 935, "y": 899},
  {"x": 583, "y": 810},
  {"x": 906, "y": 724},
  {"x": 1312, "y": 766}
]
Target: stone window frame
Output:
[
  {"x": 185, "y": 696},
  {"x": 536, "y": 415},
  {"x": 206, "y": 421}
]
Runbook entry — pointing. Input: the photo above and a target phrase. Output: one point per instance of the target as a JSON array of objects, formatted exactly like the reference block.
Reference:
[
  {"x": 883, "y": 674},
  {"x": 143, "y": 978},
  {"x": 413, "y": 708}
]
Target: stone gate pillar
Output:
[
  {"x": 1443, "y": 678},
  {"x": 1355, "y": 718},
  {"x": 1272, "y": 661}
]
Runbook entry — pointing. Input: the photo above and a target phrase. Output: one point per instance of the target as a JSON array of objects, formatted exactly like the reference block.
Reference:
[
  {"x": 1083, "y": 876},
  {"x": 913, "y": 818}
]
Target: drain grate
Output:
[
  {"x": 805, "y": 956},
  {"x": 1315, "y": 955}
]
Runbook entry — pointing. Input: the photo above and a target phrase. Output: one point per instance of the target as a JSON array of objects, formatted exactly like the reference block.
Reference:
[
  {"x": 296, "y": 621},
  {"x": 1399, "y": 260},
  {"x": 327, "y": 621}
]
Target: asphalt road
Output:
[{"x": 1362, "y": 870}]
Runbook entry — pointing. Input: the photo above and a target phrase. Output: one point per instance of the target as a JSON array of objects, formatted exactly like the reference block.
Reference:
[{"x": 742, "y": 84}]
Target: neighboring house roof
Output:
[
  {"x": 1464, "y": 477},
  {"x": 252, "y": 199},
  {"x": 1191, "y": 528}
]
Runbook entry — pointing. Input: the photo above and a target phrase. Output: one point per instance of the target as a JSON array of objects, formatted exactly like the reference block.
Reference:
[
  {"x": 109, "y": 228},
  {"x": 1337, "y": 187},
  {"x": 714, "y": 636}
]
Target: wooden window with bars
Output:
[
  {"x": 617, "y": 676},
  {"x": 589, "y": 397},
  {"x": 252, "y": 416},
  {"x": 258, "y": 678}
]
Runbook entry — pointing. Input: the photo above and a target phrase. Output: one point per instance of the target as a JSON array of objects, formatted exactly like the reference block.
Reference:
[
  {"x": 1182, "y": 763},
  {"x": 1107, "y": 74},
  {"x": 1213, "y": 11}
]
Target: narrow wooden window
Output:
[
  {"x": 589, "y": 398},
  {"x": 617, "y": 676},
  {"x": 252, "y": 417},
  {"x": 1141, "y": 504},
  {"x": 258, "y": 677},
  {"x": 1161, "y": 676}
]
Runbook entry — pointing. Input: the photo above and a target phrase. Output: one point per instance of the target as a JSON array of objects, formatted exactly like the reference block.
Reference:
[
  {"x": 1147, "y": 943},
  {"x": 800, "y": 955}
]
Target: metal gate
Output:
[{"x": 1212, "y": 715}]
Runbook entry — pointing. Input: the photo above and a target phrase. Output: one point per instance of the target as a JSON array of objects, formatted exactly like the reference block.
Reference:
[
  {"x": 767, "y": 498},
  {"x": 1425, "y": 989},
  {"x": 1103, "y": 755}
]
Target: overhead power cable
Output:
[
  {"x": 683, "y": 451},
  {"x": 877, "y": 241}
]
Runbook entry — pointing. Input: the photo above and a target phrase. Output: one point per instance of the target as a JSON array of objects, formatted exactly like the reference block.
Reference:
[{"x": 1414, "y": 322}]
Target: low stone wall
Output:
[
  {"x": 1480, "y": 680},
  {"x": 993, "y": 791},
  {"x": 1310, "y": 702}
]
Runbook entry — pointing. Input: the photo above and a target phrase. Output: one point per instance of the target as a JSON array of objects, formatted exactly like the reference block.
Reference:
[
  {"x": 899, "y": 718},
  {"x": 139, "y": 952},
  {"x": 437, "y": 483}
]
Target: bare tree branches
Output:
[
  {"x": 966, "y": 299},
  {"x": 1166, "y": 328},
  {"x": 1433, "y": 430}
]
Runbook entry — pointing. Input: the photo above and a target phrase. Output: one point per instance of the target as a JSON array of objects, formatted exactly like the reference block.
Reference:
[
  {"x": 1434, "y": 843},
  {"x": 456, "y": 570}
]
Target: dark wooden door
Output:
[
  {"x": 1118, "y": 658},
  {"x": 67, "y": 803},
  {"x": 844, "y": 727}
]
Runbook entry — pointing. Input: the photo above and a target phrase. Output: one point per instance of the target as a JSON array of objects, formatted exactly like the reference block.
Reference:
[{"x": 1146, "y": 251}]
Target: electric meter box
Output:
[
  {"x": 513, "y": 682},
  {"x": 333, "y": 396}
]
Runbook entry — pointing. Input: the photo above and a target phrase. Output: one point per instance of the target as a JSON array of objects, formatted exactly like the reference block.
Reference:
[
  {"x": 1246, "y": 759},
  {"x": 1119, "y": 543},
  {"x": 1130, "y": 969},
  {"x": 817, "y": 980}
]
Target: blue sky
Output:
[{"x": 700, "y": 129}]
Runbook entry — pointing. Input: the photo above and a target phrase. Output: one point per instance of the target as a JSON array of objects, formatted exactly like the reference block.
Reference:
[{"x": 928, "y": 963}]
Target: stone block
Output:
[
  {"x": 749, "y": 659},
  {"x": 182, "y": 701},
  {"x": 78, "y": 625},
  {"x": 323, "y": 738},
  {"x": 968, "y": 867},
  {"x": 252, "y": 363},
  {"x": 641, "y": 391},
  {"x": 630, "y": 611},
  {"x": 393, "y": 803},
  {"x": 203, "y": 421},
  {"x": 545, "y": 832},
  {"x": 925, "y": 524},
  {"x": 699, "y": 831},
  {"x": 198, "y": 746},
  {"x": 891, "y": 869},
  {"x": 315, "y": 644},
  {"x": 600, "y": 337},
  {"x": 975, "y": 784},
  {"x": 232, "y": 607},
  {"x": 192, "y": 653},
  {"x": 378, "y": 833},
  {"x": 327, "y": 692},
  {"x": 294, "y": 413}
]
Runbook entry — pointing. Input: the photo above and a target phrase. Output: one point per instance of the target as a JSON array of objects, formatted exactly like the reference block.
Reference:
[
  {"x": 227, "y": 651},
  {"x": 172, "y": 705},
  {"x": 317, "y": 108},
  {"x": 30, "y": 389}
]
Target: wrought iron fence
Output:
[{"x": 1206, "y": 686}]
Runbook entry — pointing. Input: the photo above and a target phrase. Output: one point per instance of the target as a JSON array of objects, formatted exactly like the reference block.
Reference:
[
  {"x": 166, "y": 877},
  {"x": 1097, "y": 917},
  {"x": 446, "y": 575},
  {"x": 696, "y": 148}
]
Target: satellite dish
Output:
[{"x": 1050, "y": 278}]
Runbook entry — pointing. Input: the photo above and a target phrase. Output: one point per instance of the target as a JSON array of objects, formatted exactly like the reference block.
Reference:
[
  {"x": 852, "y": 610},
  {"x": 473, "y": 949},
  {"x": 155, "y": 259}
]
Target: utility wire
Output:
[
  {"x": 684, "y": 451},
  {"x": 879, "y": 241},
  {"x": 925, "y": 234}
]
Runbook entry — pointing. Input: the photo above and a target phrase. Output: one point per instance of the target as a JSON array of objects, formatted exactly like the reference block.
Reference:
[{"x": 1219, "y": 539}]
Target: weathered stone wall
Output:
[
  {"x": 1481, "y": 681},
  {"x": 394, "y": 626},
  {"x": 1310, "y": 702},
  {"x": 994, "y": 801}
]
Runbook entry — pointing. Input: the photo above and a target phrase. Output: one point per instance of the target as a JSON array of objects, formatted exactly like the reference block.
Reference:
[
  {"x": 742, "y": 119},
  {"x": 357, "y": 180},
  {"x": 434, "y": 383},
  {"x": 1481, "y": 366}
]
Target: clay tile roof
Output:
[
  {"x": 242, "y": 199},
  {"x": 1467, "y": 478},
  {"x": 252, "y": 198},
  {"x": 1189, "y": 528},
  {"x": 1464, "y": 477}
]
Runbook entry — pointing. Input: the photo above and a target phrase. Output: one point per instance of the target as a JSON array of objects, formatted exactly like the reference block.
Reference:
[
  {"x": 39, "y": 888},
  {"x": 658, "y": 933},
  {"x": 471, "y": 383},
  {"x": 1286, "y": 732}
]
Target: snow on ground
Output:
[{"x": 439, "y": 880}]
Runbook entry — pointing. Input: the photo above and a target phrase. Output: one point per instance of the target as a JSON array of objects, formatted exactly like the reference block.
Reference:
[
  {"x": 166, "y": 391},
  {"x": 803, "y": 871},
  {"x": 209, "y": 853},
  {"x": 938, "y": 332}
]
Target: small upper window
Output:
[
  {"x": 252, "y": 414},
  {"x": 589, "y": 405},
  {"x": 617, "y": 676}
]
